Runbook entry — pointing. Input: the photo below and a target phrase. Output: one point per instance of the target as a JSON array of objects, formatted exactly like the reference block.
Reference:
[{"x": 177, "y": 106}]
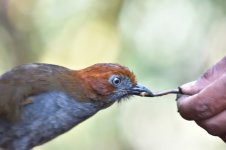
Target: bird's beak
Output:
[{"x": 140, "y": 90}]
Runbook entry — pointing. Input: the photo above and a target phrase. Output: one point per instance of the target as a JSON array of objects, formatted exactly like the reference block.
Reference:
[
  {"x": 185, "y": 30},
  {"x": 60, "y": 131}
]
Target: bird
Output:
[{"x": 39, "y": 102}]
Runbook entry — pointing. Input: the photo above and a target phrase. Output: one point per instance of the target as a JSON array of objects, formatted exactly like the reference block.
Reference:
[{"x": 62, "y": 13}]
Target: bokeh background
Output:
[{"x": 165, "y": 42}]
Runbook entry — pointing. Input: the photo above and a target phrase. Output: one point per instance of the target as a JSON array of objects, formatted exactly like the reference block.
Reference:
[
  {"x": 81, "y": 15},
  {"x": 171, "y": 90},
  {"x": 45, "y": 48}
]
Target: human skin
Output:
[{"x": 204, "y": 100}]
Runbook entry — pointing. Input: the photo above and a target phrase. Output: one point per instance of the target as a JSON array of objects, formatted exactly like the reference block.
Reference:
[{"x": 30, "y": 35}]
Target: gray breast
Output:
[{"x": 50, "y": 115}]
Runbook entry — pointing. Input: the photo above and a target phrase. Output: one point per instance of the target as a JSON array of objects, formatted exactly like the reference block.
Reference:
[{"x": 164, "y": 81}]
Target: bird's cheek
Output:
[{"x": 102, "y": 89}]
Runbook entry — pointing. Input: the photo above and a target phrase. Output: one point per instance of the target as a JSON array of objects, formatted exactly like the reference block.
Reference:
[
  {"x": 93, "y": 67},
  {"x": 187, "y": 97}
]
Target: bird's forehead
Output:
[
  {"x": 106, "y": 70},
  {"x": 116, "y": 69}
]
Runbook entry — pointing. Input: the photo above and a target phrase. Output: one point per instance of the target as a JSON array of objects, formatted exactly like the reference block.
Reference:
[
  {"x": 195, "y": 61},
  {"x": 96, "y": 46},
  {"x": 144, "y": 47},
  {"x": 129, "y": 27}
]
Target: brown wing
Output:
[{"x": 26, "y": 80}]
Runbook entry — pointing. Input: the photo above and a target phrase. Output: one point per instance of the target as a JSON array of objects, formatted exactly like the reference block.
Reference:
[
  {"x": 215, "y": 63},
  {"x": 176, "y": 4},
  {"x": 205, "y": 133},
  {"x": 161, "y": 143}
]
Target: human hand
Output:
[{"x": 204, "y": 100}]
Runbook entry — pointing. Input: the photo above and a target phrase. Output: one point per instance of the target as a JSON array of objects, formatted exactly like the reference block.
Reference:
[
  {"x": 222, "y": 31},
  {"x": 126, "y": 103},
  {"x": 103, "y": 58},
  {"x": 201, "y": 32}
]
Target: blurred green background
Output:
[{"x": 165, "y": 42}]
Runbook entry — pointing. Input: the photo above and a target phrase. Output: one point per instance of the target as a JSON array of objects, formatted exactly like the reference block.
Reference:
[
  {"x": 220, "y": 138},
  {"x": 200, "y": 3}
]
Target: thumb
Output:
[{"x": 193, "y": 87}]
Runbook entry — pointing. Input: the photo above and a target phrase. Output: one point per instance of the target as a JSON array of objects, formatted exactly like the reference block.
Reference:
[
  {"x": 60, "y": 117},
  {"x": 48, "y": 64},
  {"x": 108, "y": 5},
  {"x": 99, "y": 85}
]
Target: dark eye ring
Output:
[{"x": 116, "y": 81}]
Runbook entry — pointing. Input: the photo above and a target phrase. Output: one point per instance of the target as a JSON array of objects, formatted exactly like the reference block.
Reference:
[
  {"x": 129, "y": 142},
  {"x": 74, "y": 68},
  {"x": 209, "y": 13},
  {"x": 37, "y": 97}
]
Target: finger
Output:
[
  {"x": 215, "y": 71},
  {"x": 180, "y": 98},
  {"x": 207, "y": 103},
  {"x": 207, "y": 78},
  {"x": 192, "y": 88},
  {"x": 216, "y": 125}
]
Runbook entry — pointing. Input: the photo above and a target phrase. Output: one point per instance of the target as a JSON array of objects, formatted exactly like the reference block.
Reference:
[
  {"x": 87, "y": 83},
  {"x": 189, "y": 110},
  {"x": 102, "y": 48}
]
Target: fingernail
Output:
[
  {"x": 178, "y": 96},
  {"x": 180, "y": 90}
]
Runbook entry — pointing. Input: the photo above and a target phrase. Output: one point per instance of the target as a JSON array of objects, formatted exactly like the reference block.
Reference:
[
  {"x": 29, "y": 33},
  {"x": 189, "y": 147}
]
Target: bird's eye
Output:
[{"x": 116, "y": 81}]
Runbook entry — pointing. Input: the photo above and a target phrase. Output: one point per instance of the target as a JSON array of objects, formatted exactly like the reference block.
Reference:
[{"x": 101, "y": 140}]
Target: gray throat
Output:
[{"x": 50, "y": 115}]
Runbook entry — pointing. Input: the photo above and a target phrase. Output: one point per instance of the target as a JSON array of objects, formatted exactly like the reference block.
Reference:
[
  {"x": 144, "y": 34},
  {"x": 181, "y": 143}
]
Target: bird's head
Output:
[{"x": 110, "y": 82}]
